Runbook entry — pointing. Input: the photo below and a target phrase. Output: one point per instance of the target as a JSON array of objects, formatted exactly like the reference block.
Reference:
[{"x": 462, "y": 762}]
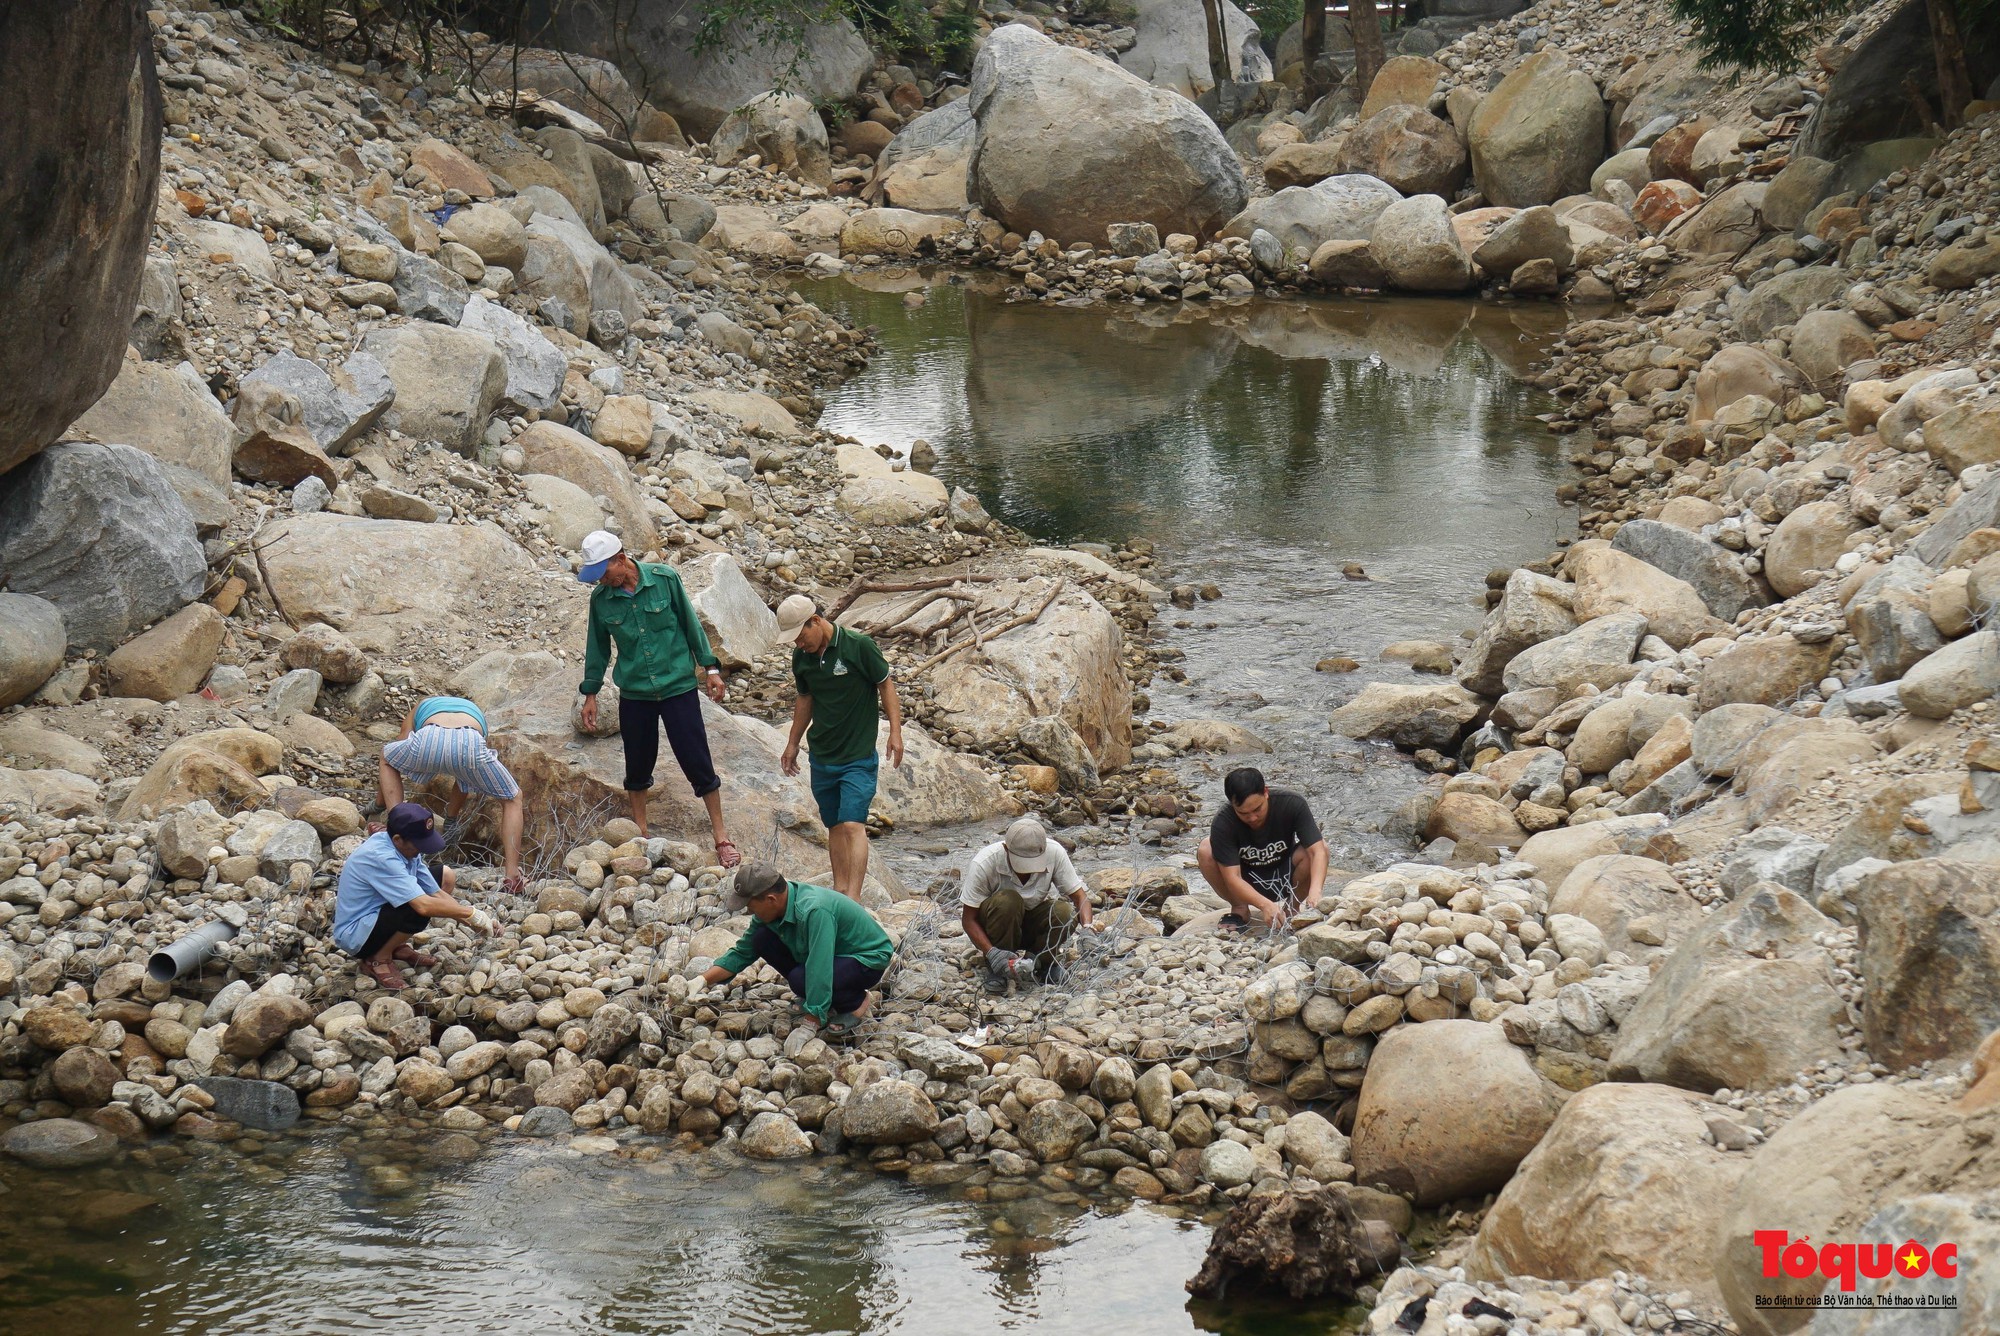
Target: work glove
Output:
[
  {"x": 999, "y": 958},
  {"x": 482, "y": 923}
]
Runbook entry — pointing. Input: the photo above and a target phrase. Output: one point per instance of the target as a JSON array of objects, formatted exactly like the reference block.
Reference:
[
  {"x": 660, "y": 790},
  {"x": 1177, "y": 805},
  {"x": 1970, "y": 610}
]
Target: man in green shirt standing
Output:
[
  {"x": 645, "y": 612},
  {"x": 827, "y": 947},
  {"x": 842, "y": 679}
]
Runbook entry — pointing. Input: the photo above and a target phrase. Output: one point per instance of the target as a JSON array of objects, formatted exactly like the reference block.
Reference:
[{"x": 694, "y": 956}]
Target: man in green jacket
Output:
[
  {"x": 826, "y": 946},
  {"x": 644, "y": 611},
  {"x": 844, "y": 692}
]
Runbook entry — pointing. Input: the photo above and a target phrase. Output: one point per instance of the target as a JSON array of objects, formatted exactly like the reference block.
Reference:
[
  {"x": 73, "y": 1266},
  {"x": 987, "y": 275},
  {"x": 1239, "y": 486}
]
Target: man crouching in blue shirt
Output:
[{"x": 387, "y": 894}]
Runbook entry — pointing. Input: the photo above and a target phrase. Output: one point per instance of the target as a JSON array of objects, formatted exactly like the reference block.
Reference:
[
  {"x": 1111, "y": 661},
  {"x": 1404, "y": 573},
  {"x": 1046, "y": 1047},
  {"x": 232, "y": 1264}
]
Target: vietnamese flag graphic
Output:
[{"x": 1912, "y": 1259}]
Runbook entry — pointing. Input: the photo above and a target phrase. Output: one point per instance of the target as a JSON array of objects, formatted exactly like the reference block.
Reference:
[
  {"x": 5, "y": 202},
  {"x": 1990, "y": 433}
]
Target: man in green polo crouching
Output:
[{"x": 826, "y": 946}]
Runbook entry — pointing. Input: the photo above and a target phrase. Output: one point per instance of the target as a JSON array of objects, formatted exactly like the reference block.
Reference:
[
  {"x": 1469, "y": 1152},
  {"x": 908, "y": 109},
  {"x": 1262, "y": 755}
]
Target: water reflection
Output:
[
  {"x": 1260, "y": 445},
  {"x": 535, "y": 1238}
]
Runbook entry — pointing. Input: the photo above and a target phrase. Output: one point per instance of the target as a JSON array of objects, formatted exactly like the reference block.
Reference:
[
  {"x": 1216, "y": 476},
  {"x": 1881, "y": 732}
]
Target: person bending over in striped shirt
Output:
[{"x": 446, "y": 736}]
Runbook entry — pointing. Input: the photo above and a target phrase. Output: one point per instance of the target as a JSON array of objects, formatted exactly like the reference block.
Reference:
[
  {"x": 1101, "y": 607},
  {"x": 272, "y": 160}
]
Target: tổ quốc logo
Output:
[{"x": 1844, "y": 1267}]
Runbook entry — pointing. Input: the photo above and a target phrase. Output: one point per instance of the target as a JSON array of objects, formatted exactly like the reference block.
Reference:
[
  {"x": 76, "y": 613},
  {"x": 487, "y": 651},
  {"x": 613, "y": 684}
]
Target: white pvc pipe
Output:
[{"x": 171, "y": 961}]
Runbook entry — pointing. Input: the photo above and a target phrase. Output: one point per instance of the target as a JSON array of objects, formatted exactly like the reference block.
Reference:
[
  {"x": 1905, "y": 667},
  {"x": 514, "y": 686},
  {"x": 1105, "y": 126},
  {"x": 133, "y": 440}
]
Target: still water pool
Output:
[
  {"x": 1261, "y": 446},
  {"x": 304, "y": 1237}
]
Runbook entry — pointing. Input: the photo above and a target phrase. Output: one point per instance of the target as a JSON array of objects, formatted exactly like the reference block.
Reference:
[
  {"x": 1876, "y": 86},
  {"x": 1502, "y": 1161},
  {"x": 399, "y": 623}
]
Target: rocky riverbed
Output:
[{"x": 1691, "y": 935}]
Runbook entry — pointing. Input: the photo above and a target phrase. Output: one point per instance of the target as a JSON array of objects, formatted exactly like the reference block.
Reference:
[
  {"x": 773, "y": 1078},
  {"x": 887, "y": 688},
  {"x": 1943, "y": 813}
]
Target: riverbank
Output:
[{"x": 1674, "y": 737}]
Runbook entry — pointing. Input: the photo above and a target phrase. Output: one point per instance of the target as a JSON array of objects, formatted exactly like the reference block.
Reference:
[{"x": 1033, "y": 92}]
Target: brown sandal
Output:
[
  {"x": 385, "y": 973},
  {"x": 423, "y": 960}
]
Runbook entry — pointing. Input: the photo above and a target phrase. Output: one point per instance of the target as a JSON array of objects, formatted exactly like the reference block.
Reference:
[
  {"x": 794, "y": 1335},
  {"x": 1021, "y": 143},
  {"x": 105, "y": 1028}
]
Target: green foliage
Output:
[
  {"x": 1757, "y": 34},
  {"x": 1274, "y": 16}
]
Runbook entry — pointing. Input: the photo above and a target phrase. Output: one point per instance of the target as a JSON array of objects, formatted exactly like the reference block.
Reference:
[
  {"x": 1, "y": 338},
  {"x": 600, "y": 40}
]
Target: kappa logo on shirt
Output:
[{"x": 1265, "y": 853}]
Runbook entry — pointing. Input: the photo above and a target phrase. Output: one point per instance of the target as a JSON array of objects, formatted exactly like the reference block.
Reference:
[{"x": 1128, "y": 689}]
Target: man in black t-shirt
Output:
[{"x": 1264, "y": 853}]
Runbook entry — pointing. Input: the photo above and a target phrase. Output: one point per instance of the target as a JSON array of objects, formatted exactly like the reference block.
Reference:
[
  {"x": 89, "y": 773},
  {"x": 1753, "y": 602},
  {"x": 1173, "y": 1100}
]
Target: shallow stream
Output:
[{"x": 1261, "y": 446}]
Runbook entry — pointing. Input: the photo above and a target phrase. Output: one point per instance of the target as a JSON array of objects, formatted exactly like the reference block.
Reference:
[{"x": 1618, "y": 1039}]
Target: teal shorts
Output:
[{"x": 844, "y": 791}]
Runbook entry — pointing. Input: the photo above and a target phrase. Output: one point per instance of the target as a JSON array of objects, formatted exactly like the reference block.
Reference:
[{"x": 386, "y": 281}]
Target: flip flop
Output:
[
  {"x": 385, "y": 974},
  {"x": 843, "y": 1025},
  {"x": 423, "y": 960},
  {"x": 1231, "y": 923},
  {"x": 729, "y": 859}
]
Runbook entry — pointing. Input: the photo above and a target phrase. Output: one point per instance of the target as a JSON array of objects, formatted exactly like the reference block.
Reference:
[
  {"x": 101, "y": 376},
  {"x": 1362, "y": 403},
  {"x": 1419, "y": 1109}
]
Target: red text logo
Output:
[{"x": 1848, "y": 1263}]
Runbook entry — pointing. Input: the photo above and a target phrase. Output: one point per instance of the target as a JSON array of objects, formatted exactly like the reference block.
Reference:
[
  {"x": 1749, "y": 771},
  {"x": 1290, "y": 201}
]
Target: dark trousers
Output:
[
  {"x": 390, "y": 920},
  {"x": 851, "y": 978},
  {"x": 1012, "y": 926},
  {"x": 639, "y": 725}
]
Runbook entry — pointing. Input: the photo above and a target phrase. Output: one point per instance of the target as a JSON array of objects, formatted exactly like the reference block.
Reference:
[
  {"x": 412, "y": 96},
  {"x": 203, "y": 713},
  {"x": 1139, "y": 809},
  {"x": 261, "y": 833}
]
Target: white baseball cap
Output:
[
  {"x": 793, "y": 614},
  {"x": 1027, "y": 846},
  {"x": 599, "y": 547}
]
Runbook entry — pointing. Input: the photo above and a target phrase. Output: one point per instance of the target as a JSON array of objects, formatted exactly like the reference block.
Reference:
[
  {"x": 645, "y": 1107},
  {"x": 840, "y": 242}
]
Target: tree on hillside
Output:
[
  {"x": 1312, "y": 35},
  {"x": 1777, "y": 34},
  {"x": 1218, "y": 42}
]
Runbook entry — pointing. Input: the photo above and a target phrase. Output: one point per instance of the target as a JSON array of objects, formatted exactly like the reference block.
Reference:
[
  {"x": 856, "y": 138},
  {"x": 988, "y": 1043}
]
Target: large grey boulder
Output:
[
  {"x": 99, "y": 531},
  {"x": 31, "y": 645},
  {"x": 1747, "y": 1002},
  {"x": 607, "y": 287},
  {"x": 82, "y": 147},
  {"x": 1930, "y": 959},
  {"x": 1414, "y": 242},
  {"x": 1532, "y": 608},
  {"x": 1069, "y": 143},
  {"x": 1303, "y": 218},
  {"x": 1170, "y": 49},
  {"x": 1716, "y": 573},
  {"x": 784, "y": 131},
  {"x": 925, "y": 164},
  {"x": 1538, "y": 135},
  {"x": 448, "y": 381},
  {"x": 1780, "y": 301},
  {"x": 699, "y": 83},
  {"x": 740, "y": 628},
  {"x": 338, "y": 406},
  {"x": 535, "y": 367},
  {"x": 1870, "y": 97},
  {"x": 168, "y": 412},
  {"x": 1409, "y": 148}
]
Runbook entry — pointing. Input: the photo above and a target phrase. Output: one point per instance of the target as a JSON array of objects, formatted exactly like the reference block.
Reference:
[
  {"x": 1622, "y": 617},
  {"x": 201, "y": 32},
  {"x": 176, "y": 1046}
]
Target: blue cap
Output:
[{"x": 592, "y": 573}]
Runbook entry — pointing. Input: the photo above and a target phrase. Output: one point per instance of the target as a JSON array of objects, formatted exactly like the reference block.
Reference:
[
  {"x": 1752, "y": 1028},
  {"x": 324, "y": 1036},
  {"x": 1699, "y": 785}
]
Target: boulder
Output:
[
  {"x": 1597, "y": 653},
  {"x": 561, "y": 452},
  {"x": 534, "y": 368},
  {"x": 1782, "y": 299},
  {"x": 172, "y": 659},
  {"x": 1170, "y": 45},
  {"x": 895, "y": 232},
  {"x": 1613, "y": 892},
  {"x": 1403, "y": 81},
  {"x": 448, "y": 381},
  {"x": 84, "y": 141},
  {"x": 1471, "y": 818},
  {"x": 1304, "y": 218},
  {"x": 338, "y": 406},
  {"x": 1723, "y": 733},
  {"x": 1890, "y": 619},
  {"x": 1716, "y": 573},
  {"x": 924, "y": 166},
  {"x": 1806, "y": 543},
  {"x": 1774, "y": 671},
  {"x": 1660, "y": 203},
  {"x": 373, "y": 579},
  {"x": 1532, "y": 234},
  {"x": 1828, "y": 1171},
  {"x": 563, "y": 254},
  {"x": 1959, "y": 674},
  {"x": 1532, "y": 608},
  {"x": 1736, "y": 371},
  {"x": 784, "y": 130},
  {"x": 275, "y": 446},
  {"x": 326, "y": 651},
  {"x": 31, "y": 645},
  {"x": 168, "y": 412},
  {"x": 1746, "y": 1002},
  {"x": 262, "y": 1020},
  {"x": 1930, "y": 959},
  {"x": 210, "y": 768},
  {"x": 888, "y": 1113},
  {"x": 1631, "y": 166},
  {"x": 1303, "y": 164},
  {"x": 1538, "y": 135},
  {"x": 1556, "y": 853},
  {"x": 1609, "y": 581},
  {"x": 773, "y": 1136},
  {"x": 1410, "y": 716},
  {"x": 875, "y": 493},
  {"x": 1728, "y": 224},
  {"x": 1408, "y": 148},
  {"x": 1068, "y": 144},
  {"x": 100, "y": 532},
  {"x": 1626, "y": 1179},
  {"x": 1964, "y": 435},
  {"x": 59, "y": 1143},
  {"x": 491, "y": 232},
  {"x": 426, "y": 290},
  {"x": 84, "y": 1077},
  {"x": 1786, "y": 759},
  {"x": 1065, "y": 665},
  {"x": 1414, "y": 243},
  {"x": 739, "y": 626},
  {"x": 1802, "y": 184},
  {"x": 1346, "y": 264},
  {"x": 1826, "y": 343},
  {"x": 1448, "y": 1109},
  {"x": 1868, "y": 98}
]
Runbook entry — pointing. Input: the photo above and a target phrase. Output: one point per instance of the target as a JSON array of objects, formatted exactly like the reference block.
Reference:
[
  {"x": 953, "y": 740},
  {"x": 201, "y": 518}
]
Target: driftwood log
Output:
[{"x": 1307, "y": 1244}]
